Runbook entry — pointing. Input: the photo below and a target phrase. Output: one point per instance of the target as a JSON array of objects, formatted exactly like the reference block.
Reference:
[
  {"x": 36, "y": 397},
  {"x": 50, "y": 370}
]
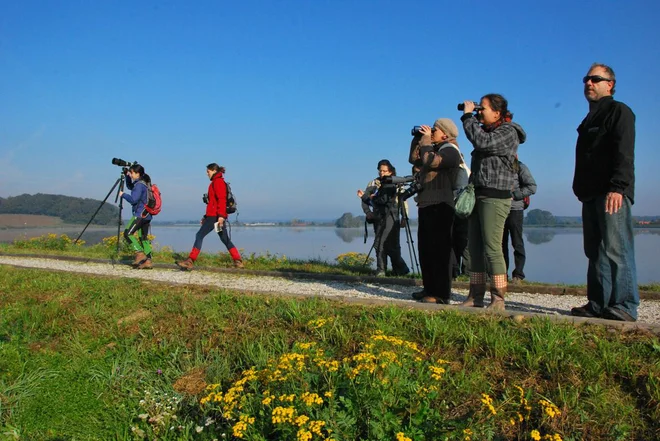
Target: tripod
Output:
[
  {"x": 119, "y": 182},
  {"x": 409, "y": 237}
]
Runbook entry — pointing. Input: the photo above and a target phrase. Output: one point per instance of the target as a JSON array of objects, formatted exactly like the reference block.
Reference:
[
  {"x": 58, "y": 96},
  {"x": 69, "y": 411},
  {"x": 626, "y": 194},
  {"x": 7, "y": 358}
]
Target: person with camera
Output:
[
  {"x": 383, "y": 197},
  {"x": 495, "y": 140},
  {"x": 435, "y": 156},
  {"x": 524, "y": 186},
  {"x": 604, "y": 182},
  {"x": 214, "y": 218},
  {"x": 136, "y": 233}
]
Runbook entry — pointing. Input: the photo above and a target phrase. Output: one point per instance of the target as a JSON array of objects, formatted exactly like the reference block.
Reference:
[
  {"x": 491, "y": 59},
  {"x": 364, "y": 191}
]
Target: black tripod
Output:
[
  {"x": 119, "y": 182},
  {"x": 409, "y": 237}
]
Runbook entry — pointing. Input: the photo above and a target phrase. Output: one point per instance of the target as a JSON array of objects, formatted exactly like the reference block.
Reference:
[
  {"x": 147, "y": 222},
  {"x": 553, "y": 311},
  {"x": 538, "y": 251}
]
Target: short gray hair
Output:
[{"x": 609, "y": 70}]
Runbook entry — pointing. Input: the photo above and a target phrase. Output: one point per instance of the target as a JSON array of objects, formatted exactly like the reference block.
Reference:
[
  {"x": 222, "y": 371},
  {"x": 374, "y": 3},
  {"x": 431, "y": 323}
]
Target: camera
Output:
[
  {"x": 461, "y": 106},
  {"x": 205, "y": 198},
  {"x": 122, "y": 163},
  {"x": 414, "y": 188}
]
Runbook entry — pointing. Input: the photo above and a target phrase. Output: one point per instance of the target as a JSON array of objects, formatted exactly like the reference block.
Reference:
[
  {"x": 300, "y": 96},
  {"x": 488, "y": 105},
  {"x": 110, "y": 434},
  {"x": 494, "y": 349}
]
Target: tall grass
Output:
[{"x": 100, "y": 358}]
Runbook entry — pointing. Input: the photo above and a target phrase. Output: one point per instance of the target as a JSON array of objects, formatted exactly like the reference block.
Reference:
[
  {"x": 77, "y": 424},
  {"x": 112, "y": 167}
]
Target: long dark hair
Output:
[
  {"x": 215, "y": 167},
  {"x": 137, "y": 168},
  {"x": 499, "y": 104},
  {"x": 388, "y": 164}
]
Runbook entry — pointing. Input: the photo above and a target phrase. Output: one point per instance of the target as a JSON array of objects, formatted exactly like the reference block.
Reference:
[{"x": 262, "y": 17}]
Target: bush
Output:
[
  {"x": 50, "y": 241},
  {"x": 353, "y": 260}
]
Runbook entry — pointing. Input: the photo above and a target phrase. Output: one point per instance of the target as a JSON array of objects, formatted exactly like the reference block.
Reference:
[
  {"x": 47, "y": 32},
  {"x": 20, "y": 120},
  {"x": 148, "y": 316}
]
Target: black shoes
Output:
[
  {"x": 419, "y": 295},
  {"x": 608, "y": 313},
  {"x": 584, "y": 311},
  {"x": 618, "y": 314}
]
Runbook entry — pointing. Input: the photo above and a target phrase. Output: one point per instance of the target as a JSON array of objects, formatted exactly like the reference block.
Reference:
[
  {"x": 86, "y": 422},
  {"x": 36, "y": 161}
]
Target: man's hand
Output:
[
  {"x": 613, "y": 202},
  {"x": 360, "y": 193},
  {"x": 121, "y": 193}
]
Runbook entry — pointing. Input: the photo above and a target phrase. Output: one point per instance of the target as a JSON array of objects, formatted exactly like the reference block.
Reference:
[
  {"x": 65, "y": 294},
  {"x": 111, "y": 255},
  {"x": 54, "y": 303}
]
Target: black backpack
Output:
[{"x": 231, "y": 200}]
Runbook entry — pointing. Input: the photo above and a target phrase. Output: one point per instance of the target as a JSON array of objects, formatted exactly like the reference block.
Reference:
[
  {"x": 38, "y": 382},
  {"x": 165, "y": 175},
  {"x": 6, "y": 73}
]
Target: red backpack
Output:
[{"x": 154, "y": 201}]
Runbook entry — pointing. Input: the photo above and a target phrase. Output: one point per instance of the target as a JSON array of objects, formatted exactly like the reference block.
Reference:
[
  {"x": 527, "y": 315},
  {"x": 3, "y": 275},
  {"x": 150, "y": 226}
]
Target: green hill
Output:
[{"x": 70, "y": 209}]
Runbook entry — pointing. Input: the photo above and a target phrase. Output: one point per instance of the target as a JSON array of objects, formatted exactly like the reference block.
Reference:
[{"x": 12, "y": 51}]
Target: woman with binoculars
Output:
[{"x": 495, "y": 140}]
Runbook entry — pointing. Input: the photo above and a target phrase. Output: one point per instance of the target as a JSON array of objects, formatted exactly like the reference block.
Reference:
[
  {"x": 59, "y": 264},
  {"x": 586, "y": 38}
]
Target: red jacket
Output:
[{"x": 217, "y": 205}]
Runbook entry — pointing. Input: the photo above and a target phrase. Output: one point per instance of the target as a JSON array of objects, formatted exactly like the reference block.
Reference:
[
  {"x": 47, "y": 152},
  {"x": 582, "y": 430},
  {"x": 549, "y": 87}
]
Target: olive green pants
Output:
[{"x": 485, "y": 230}]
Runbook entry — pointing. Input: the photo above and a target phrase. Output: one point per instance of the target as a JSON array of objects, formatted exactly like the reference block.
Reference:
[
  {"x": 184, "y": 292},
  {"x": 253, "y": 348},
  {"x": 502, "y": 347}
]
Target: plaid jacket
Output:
[{"x": 493, "y": 155}]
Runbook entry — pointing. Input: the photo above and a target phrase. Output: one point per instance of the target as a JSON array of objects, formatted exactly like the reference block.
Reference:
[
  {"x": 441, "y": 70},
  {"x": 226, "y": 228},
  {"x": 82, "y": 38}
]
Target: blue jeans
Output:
[{"x": 609, "y": 245}]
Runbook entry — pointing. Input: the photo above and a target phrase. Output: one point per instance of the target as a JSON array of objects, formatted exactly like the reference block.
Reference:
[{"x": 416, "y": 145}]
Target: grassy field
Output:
[{"x": 85, "y": 358}]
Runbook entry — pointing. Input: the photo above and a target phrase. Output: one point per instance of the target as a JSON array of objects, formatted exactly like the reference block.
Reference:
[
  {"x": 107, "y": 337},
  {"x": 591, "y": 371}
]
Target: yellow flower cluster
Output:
[
  {"x": 303, "y": 435},
  {"x": 241, "y": 426},
  {"x": 488, "y": 401},
  {"x": 468, "y": 434},
  {"x": 402, "y": 437},
  {"x": 317, "y": 323},
  {"x": 549, "y": 408},
  {"x": 281, "y": 415},
  {"x": 301, "y": 420},
  {"x": 364, "y": 362},
  {"x": 310, "y": 399},
  {"x": 380, "y": 336},
  {"x": 438, "y": 371}
]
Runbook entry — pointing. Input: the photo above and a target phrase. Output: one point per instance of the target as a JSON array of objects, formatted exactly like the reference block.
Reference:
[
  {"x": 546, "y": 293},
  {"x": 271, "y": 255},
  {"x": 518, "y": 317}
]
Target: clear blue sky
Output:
[{"x": 300, "y": 99}]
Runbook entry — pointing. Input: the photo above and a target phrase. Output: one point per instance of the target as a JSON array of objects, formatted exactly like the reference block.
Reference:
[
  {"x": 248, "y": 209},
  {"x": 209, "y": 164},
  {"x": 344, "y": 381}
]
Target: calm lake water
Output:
[{"x": 553, "y": 255}]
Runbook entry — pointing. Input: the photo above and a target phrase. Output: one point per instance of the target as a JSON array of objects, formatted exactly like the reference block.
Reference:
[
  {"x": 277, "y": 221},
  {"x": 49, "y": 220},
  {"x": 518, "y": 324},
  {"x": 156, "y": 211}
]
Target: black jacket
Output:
[{"x": 605, "y": 152}]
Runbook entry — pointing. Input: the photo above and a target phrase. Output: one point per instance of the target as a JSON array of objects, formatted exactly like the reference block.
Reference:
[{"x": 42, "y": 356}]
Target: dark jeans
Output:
[
  {"x": 387, "y": 243},
  {"x": 459, "y": 239},
  {"x": 206, "y": 228},
  {"x": 610, "y": 247},
  {"x": 435, "y": 249},
  {"x": 513, "y": 226}
]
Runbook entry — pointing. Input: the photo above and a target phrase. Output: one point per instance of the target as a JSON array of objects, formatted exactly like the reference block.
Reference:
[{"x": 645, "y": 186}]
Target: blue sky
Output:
[{"x": 300, "y": 99}]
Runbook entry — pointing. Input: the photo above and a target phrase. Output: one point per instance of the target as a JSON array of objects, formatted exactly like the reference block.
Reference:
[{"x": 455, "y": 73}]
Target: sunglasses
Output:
[{"x": 595, "y": 79}]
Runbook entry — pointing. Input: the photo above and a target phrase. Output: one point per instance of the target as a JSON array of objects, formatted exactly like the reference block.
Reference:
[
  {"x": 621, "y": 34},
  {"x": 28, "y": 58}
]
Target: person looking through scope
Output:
[
  {"x": 384, "y": 199},
  {"x": 434, "y": 154},
  {"x": 495, "y": 140},
  {"x": 137, "y": 181}
]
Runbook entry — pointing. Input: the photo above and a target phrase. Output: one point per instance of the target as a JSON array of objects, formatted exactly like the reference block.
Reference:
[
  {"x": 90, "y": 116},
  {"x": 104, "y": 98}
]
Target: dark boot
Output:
[
  {"x": 419, "y": 295},
  {"x": 497, "y": 298},
  {"x": 475, "y": 296}
]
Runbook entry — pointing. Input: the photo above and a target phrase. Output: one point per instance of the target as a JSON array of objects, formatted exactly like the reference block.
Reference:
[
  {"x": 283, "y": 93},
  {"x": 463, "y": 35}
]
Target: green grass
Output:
[{"x": 82, "y": 357}]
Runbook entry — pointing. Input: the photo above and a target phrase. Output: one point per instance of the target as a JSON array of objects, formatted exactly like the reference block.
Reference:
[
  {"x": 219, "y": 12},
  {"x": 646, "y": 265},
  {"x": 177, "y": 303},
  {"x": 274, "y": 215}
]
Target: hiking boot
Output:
[
  {"x": 238, "y": 264},
  {"x": 186, "y": 264},
  {"x": 139, "y": 258},
  {"x": 145, "y": 265},
  {"x": 584, "y": 311},
  {"x": 431, "y": 299},
  {"x": 618, "y": 314},
  {"x": 419, "y": 295},
  {"x": 515, "y": 280},
  {"x": 380, "y": 273},
  {"x": 497, "y": 299},
  {"x": 475, "y": 297}
]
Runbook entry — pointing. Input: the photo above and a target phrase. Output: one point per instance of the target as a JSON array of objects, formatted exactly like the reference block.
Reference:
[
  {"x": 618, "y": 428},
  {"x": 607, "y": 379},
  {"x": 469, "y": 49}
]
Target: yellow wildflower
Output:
[{"x": 536, "y": 436}]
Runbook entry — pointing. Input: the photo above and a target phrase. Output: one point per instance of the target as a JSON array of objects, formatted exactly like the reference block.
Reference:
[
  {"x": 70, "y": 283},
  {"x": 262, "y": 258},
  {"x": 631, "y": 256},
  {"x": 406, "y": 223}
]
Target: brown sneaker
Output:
[
  {"x": 145, "y": 265},
  {"x": 186, "y": 264},
  {"x": 238, "y": 264},
  {"x": 139, "y": 258}
]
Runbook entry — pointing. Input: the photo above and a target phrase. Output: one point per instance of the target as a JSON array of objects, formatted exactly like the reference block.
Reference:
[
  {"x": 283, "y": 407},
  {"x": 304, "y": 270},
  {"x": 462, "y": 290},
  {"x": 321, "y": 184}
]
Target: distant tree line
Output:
[
  {"x": 347, "y": 220},
  {"x": 70, "y": 209}
]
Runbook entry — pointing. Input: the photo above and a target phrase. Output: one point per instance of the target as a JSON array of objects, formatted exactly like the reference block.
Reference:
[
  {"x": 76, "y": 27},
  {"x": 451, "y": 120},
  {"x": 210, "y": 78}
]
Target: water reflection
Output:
[
  {"x": 348, "y": 235},
  {"x": 539, "y": 236}
]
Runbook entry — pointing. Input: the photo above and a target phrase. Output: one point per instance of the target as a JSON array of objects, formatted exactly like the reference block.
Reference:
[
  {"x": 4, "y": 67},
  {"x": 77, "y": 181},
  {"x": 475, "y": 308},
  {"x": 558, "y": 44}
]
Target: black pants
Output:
[
  {"x": 513, "y": 226},
  {"x": 387, "y": 243},
  {"x": 459, "y": 245},
  {"x": 434, "y": 241}
]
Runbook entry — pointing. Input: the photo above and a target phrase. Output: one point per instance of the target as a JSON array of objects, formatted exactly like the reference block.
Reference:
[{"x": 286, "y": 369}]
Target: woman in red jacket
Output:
[{"x": 216, "y": 212}]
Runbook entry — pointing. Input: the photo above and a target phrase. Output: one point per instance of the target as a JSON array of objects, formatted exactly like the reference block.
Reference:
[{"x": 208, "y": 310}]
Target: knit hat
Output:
[{"x": 447, "y": 126}]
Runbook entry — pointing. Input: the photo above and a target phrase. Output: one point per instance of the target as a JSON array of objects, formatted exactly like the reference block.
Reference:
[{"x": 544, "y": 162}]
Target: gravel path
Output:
[{"x": 649, "y": 310}]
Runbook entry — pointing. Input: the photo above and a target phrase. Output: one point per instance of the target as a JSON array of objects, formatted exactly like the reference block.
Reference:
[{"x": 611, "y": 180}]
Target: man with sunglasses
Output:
[{"x": 604, "y": 181}]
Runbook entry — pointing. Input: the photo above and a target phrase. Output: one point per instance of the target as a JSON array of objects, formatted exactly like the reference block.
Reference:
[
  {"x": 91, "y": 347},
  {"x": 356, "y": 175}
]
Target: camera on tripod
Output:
[
  {"x": 124, "y": 164},
  {"x": 404, "y": 192}
]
